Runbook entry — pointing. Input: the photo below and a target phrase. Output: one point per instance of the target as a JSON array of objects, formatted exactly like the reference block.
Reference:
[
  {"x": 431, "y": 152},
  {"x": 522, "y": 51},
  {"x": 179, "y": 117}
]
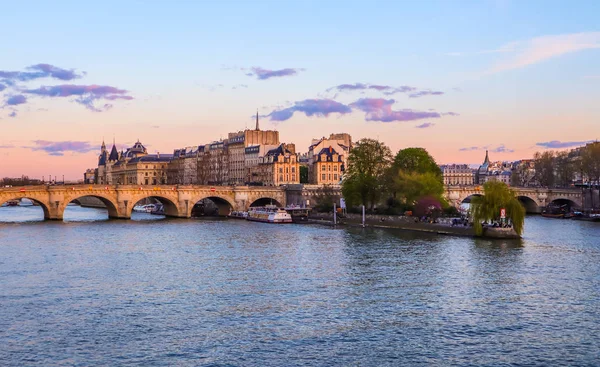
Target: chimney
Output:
[{"x": 157, "y": 154}]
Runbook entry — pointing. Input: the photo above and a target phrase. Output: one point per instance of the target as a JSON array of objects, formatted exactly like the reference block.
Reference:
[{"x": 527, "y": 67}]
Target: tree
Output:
[
  {"x": 413, "y": 186},
  {"x": 544, "y": 168},
  {"x": 326, "y": 196},
  {"x": 415, "y": 160},
  {"x": 368, "y": 164},
  {"x": 303, "y": 174},
  {"x": 497, "y": 195},
  {"x": 565, "y": 169},
  {"x": 590, "y": 166}
]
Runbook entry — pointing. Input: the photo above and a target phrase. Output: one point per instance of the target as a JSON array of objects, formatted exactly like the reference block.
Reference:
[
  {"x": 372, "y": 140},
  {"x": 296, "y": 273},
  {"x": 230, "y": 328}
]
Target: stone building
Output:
[
  {"x": 237, "y": 144},
  {"x": 183, "y": 167},
  {"x": 457, "y": 174},
  {"x": 341, "y": 143},
  {"x": 89, "y": 176},
  {"x": 327, "y": 167},
  {"x": 132, "y": 167},
  {"x": 254, "y": 155},
  {"x": 277, "y": 167}
]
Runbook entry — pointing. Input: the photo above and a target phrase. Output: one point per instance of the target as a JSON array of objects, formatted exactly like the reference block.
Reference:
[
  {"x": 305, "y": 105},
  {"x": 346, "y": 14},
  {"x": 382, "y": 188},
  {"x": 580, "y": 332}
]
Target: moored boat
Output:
[
  {"x": 144, "y": 208},
  {"x": 12, "y": 203},
  {"x": 558, "y": 212},
  {"x": 592, "y": 216},
  {"x": 238, "y": 215},
  {"x": 298, "y": 214},
  {"x": 269, "y": 214}
]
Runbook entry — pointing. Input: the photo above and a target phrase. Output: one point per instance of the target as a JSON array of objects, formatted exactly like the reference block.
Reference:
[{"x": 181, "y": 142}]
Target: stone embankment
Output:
[{"x": 444, "y": 225}]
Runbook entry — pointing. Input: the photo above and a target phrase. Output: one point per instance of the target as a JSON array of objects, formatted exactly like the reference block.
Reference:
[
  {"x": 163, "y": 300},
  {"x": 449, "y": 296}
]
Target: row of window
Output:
[
  {"x": 287, "y": 170},
  {"x": 324, "y": 177},
  {"x": 325, "y": 168}
]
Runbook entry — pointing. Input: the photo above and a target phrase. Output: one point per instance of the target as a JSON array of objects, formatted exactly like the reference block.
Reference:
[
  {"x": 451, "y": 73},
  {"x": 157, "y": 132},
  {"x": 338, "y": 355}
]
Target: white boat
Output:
[
  {"x": 269, "y": 214},
  {"x": 144, "y": 208}
]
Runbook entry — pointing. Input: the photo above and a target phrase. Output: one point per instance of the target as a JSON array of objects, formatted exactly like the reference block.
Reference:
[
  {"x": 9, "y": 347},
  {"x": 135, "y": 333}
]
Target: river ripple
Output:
[{"x": 236, "y": 293}]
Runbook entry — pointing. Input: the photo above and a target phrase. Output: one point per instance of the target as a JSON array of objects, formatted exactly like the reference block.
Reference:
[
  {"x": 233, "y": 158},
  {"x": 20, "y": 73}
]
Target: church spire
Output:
[
  {"x": 103, "y": 147},
  {"x": 487, "y": 158},
  {"x": 257, "y": 121}
]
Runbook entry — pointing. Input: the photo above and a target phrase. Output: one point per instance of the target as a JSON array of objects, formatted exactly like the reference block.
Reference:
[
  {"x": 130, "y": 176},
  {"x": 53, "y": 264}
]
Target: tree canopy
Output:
[
  {"x": 497, "y": 195},
  {"x": 415, "y": 160},
  {"x": 364, "y": 180}
]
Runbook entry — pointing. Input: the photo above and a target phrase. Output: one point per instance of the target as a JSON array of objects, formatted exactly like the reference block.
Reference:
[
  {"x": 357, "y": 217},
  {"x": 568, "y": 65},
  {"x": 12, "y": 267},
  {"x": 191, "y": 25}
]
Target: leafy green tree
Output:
[
  {"x": 415, "y": 160},
  {"x": 544, "y": 168},
  {"x": 497, "y": 195},
  {"x": 303, "y": 174},
  {"x": 413, "y": 186},
  {"x": 364, "y": 180}
]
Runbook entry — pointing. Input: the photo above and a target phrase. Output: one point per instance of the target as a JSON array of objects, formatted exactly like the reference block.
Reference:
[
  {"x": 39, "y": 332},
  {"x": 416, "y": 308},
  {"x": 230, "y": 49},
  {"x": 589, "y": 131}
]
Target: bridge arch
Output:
[
  {"x": 530, "y": 205},
  {"x": 42, "y": 204},
  {"x": 262, "y": 201},
  {"x": 111, "y": 205},
  {"x": 467, "y": 199},
  {"x": 198, "y": 205}
]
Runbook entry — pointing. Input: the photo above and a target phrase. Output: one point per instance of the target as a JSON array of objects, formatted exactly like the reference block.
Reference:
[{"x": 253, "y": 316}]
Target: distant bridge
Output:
[
  {"x": 178, "y": 200},
  {"x": 533, "y": 198}
]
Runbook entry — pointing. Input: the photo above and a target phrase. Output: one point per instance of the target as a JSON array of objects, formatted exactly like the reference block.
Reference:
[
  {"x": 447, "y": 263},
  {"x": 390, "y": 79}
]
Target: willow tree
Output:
[{"x": 496, "y": 196}]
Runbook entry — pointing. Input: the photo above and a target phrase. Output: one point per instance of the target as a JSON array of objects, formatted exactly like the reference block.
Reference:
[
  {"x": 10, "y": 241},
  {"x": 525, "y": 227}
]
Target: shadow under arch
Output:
[
  {"x": 529, "y": 204},
  {"x": 265, "y": 201},
  {"x": 36, "y": 202},
  {"x": 467, "y": 200},
  {"x": 210, "y": 206},
  {"x": 111, "y": 207},
  {"x": 170, "y": 209},
  {"x": 563, "y": 201}
]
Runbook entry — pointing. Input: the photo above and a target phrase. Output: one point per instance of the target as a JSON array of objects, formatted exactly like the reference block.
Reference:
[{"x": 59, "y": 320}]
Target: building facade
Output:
[
  {"x": 277, "y": 167},
  {"x": 457, "y": 174},
  {"x": 341, "y": 143},
  {"x": 327, "y": 167}
]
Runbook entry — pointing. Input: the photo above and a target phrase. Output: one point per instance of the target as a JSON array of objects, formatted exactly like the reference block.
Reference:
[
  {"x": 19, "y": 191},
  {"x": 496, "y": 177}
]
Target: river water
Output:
[{"x": 147, "y": 292}]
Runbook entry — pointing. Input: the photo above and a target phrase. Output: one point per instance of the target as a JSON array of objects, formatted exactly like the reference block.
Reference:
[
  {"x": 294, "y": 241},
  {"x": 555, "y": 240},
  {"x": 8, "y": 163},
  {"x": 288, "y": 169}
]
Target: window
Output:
[
  {"x": 287, "y": 170},
  {"x": 280, "y": 177},
  {"x": 280, "y": 170},
  {"x": 329, "y": 166},
  {"x": 335, "y": 168},
  {"x": 335, "y": 176},
  {"x": 146, "y": 173},
  {"x": 324, "y": 168},
  {"x": 293, "y": 177},
  {"x": 330, "y": 177},
  {"x": 293, "y": 169},
  {"x": 323, "y": 177}
]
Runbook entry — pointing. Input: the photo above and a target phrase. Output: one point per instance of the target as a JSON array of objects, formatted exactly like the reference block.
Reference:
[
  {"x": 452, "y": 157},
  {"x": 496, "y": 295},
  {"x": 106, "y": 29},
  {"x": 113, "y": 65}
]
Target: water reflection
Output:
[{"x": 222, "y": 292}]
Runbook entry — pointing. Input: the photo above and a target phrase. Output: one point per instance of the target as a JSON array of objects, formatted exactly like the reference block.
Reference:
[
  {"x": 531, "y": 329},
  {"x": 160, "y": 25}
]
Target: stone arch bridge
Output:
[
  {"x": 533, "y": 199},
  {"x": 178, "y": 201}
]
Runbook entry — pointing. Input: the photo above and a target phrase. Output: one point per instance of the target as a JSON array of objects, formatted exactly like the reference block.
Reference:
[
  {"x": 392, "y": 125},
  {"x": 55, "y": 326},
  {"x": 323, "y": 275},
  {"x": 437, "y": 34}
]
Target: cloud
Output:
[
  {"x": 13, "y": 114},
  {"x": 310, "y": 107},
  {"x": 543, "y": 48},
  {"x": 555, "y": 144},
  {"x": 239, "y": 86},
  {"x": 425, "y": 125},
  {"x": 450, "y": 114},
  {"x": 499, "y": 149},
  {"x": 39, "y": 71},
  {"x": 379, "y": 109},
  {"x": 6, "y": 146},
  {"x": 58, "y": 148},
  {"x": 87, "y": 94},
  {"x": 2, "y": 87},
  {"x": 264, "y": 74},
  {"x": 502, "y": 149},
  {"x": 425, "y": 93},
  {"x": 16, "y": 100},
  {"x": 385, "y": 89}
]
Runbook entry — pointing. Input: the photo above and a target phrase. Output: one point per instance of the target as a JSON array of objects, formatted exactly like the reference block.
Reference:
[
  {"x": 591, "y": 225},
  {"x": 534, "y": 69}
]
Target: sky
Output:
[{"x": 454, "y": 77}]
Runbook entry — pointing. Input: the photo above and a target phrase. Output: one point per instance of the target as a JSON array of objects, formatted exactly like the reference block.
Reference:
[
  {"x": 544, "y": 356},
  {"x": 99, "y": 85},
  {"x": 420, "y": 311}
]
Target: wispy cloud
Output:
[
  {"x": 425, "y": 93},
  {"x": 543, "y": 48},
  {"x": 498, "y": 149},
  {"x": 87, "y": 95},
  {"x": 385, "y": 89},
  {"x": 556, "y": 144},
  {"x": 310, "y": 107},
  {"x": 502, "y": 149},
  {"x": 425, "y": 125},
  {"x": 39, "y": 71},
  {"x": 12, "y": 114},
  {"x": 2, "y": 87},
  {"x": 6, "y": 146},
  {"x": 264, "y": 74},
  {"x": 58, "y": 148},
  {"x": 379, "y": 109}
]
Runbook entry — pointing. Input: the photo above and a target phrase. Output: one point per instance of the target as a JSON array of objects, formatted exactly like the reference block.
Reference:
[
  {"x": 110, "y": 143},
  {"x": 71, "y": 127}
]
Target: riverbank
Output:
[{"x": 444, "y": 227}]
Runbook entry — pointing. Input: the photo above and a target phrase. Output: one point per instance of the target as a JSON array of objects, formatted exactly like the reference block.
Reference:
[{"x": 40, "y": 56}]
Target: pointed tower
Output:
[
  {"x": 114, "y": 155},
  {"x": 487, "y": 158},
  {"x": 103, "y": 147},
  {"x": 257, "y": 129}
]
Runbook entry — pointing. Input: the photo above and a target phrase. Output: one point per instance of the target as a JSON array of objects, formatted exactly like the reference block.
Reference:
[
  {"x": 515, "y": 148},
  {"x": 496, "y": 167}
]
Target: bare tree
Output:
[
  {"x": 544, "y": 168},
  {"x": 590, "y": 166}
]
